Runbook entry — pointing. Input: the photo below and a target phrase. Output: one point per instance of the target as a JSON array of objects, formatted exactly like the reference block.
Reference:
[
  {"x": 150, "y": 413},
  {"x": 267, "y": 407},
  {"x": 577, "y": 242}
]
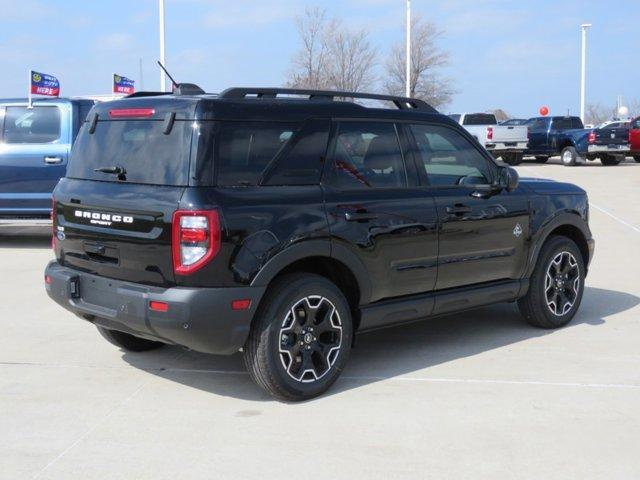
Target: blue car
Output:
[{"x": 34, "y": 148}]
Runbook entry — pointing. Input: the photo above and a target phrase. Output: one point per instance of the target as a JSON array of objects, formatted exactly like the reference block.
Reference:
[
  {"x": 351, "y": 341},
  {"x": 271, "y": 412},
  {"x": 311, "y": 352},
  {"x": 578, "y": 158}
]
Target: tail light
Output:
[
  {"x": 196, "y": 239},
  {"x": 592, "y": 137},
  {"x": 490, "y": 133}
]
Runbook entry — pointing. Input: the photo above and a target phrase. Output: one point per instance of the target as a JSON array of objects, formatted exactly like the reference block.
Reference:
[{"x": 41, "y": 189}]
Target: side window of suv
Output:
[
  {"x": 368, "y": 155},
  {"x": 448, "y": 158},
  {"x": 31, "y": 125},
  {"x": 245, "y": 149}
]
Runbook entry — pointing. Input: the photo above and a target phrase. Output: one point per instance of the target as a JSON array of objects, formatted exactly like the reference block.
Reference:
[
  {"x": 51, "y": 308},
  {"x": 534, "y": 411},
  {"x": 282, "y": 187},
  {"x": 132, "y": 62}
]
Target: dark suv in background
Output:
[{"x": 283, "y": 222}]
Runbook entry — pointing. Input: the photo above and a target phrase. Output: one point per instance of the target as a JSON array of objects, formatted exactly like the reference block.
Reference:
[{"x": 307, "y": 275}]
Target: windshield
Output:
[{"x": 140, "y": 147}]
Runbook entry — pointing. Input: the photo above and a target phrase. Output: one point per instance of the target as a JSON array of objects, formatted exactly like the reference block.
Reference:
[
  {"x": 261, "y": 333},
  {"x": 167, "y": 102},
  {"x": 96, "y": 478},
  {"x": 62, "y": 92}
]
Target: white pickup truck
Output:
[{"x": 508, "y": 142}]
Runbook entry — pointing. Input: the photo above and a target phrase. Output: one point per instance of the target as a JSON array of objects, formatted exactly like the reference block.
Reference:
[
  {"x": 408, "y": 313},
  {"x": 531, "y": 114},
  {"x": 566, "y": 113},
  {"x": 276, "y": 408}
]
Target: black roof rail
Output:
[
  {"x": 403, "y": 103},
  {"x": 146, "y": 94},
  {"x": 179, "y": 89}
]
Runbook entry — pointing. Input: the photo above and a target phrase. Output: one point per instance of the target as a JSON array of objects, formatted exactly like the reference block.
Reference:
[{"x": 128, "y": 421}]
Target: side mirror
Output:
[{"x": 508, "y": 179}]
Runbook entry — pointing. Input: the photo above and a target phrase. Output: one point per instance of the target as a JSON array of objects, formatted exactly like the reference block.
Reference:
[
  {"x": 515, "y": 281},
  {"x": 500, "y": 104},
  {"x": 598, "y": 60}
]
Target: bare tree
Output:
[
  {"x": 597, "y": 113},
  {"x": 501, "y": 115},
  {"x": 309, "y": 64},
  {"x": 352, "y": 59},
  {"x": 427, "y": 59},
  {"x": 331, "y": 56}
]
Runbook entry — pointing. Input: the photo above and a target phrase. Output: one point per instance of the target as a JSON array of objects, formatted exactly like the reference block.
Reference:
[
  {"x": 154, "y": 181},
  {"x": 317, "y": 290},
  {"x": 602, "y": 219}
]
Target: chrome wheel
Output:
[
  {"x": 567, "y": 157},
  {"x": 310, "y": 338},
  {"x": 562, "y": 283}
]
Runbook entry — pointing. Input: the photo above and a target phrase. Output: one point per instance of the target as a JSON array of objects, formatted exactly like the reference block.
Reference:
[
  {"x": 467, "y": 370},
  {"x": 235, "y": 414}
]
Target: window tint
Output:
[
  {"x": 537, "y": 124},
  {"x": 479, "y": 119},
  {"x": 245, "y": 149},
  {"x": 562, "y": 123},
  {"x": 576, "y": 123},
  {"x": 31, "y": 125},
  {"x": 301, "y": 160},
  {"x": 449, "y": 158},
  {"x": 368, "y": 155},
  {"x": 139, "y": 146}
]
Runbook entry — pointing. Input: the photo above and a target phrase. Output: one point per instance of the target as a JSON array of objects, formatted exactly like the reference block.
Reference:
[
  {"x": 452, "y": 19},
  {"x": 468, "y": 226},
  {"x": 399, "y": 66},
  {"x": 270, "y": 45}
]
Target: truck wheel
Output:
[
  {"x": 512, "y": 158},
  {"x": 556, "y": 286},
  {"x": 569, "y": 156},
  {"x": 541, "y": 159},
  {"x": 610, "y": 160},
  {"x": 636, "y": 158},
  {"x": 127, "y": 341},
  {"x": 300, "y": 339}
]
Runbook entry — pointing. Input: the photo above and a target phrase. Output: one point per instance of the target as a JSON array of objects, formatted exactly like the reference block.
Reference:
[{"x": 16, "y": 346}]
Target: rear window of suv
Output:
[{"x": 141, "y": 147}]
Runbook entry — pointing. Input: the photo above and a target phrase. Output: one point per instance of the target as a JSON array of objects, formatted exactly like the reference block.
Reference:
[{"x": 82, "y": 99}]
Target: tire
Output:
[
  {"x": 636, "y": 158},
  {"x": 569, "y": 156},
  {"x": 551, "y": 302},
  {"x": 541, "y": 159},
  {"x": 128, "y": 342},
  {"x": 512, "y": 158},
  {"x": 610, "y": 160},
  {"x": 285, "y": 354}
]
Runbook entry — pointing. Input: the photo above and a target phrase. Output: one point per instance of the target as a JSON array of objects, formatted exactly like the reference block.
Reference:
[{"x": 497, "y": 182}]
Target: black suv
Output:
[{"x": 282, "y": 222}]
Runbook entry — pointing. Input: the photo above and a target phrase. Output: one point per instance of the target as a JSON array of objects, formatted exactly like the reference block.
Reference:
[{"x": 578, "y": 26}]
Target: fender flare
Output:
[
  {"x": 316, "y": 248},
  {"x": 562, "y": 218}
]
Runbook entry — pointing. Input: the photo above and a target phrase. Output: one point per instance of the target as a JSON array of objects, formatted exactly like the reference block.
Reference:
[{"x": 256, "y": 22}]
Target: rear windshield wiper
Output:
[{"x": 115, "y": 170}]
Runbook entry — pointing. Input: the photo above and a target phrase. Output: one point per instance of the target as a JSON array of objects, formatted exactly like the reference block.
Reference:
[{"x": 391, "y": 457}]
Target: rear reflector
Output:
[
  {"x": 131, "y": 112},
  {"x": 158, "y": 306},
  {"x": 240, "y": 304}
]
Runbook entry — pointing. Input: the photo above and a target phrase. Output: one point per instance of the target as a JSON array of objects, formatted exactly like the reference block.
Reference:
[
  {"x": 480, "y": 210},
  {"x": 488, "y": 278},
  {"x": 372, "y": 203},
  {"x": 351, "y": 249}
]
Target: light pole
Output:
[
  {"x": 408, "y": 70},
  {"x": 162, "y": 59},
  {"x": 583, "y": 69}
]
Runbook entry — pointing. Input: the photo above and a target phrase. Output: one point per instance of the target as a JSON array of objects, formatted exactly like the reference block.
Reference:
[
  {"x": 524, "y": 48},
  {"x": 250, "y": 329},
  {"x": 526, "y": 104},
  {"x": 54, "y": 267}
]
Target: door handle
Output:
[
  {"x": 458, "y": 210},
  {"x": 359, "y": 216},
  {"x": 52, "y": 160}
]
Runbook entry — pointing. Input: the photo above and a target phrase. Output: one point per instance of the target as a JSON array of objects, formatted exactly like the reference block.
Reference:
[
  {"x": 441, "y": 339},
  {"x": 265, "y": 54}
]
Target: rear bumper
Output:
[
  {"x": 620, "y": 149},
  {"x": 200, "y": 319},
  {"x": 516, "y": 147}
]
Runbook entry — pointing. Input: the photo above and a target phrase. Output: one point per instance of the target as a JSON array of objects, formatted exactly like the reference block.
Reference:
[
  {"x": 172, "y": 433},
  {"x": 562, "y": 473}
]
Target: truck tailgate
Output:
[{"x": 509, "y": 133}]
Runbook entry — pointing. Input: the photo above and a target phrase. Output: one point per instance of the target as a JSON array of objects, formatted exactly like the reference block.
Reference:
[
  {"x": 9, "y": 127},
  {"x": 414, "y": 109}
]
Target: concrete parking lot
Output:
[{"x": 476, "y": 395}]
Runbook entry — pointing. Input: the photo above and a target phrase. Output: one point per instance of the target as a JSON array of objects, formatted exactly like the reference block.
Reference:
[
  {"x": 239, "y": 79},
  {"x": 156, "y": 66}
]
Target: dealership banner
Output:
[
  {"x": 123, "y": 84},
  {"x": 44, "y": 84}
]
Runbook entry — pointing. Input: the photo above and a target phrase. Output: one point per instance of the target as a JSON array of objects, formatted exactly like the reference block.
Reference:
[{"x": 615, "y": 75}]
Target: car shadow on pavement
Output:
[
  {"x": 390, "y": 352},
  {"x": 25, "y": 237}
]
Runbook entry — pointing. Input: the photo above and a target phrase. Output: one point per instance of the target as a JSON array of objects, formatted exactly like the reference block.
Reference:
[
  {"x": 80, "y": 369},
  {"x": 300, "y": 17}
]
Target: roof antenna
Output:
[{"x": 175, "y": 84}]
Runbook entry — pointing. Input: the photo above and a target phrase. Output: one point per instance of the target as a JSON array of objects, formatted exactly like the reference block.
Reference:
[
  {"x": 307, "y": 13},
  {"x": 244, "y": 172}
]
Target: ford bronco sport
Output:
[{"x": 283, "y": 222}]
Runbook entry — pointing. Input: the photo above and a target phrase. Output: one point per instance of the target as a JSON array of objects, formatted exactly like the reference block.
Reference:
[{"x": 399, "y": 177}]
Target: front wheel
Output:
[
  {"x": 541, "y": 159},
  {"x": 556, "y": 286},
  {"x": 569, "y": 156},
  {"x": 301, "y": 337},
  {"x": 610, "y": 160}
]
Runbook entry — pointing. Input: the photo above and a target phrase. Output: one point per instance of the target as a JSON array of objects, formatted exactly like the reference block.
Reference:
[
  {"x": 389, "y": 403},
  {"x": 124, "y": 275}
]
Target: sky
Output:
[{"x": 512, "y": 54}]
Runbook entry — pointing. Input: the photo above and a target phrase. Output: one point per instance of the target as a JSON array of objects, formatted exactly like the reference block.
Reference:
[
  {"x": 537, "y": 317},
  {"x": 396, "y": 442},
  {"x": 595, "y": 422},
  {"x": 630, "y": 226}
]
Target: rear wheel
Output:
[
  {"x": 636, "y": 158},
  {"x": 541, "y": 159},
  {"x": 512, "y": 158},
  {"x": 610, "y": 160},
  {"x": 556, "y": 286},
  {"x": 301, "y": 337},
  {"x": 569, "y": 156},
  {"x": 127, "y": 341}
]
